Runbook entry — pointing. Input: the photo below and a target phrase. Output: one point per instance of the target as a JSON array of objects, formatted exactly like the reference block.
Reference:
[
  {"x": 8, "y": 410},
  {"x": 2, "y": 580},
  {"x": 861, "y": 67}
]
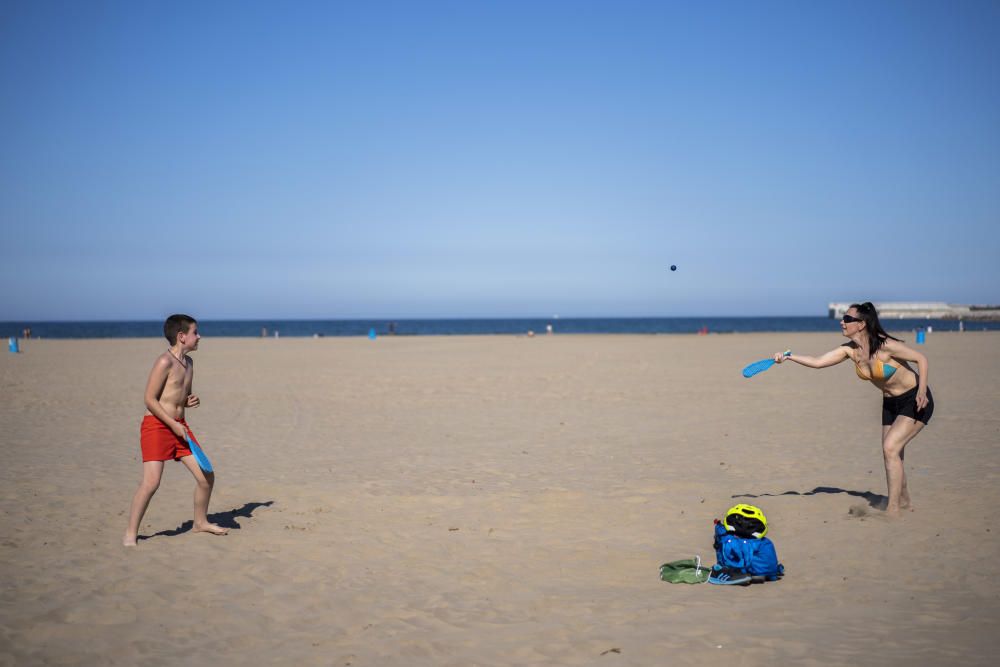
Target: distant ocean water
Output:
[{"x": 456, "y": 327}]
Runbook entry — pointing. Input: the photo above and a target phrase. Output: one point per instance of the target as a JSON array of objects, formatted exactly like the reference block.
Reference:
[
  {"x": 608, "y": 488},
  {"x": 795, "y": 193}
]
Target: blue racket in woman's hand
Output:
[{"x": 761, "y": 366}]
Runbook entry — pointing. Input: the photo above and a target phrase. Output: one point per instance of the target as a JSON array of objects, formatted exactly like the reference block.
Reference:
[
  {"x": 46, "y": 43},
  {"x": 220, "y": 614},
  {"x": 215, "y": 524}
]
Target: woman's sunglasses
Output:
[{"x": 847, "y": 319}]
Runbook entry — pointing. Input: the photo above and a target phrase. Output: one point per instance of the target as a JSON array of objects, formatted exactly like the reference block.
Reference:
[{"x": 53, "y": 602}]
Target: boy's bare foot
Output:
[
  {"x": 211, "y": 528},
  {"x": 129, "y": 541}
]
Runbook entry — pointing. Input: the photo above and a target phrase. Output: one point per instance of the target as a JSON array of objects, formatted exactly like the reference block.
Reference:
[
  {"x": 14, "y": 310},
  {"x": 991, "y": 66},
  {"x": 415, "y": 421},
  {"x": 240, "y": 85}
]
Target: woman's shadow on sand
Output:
[
  {"x": 224, "y": 519},
  {"x": 875, "y": 500}
]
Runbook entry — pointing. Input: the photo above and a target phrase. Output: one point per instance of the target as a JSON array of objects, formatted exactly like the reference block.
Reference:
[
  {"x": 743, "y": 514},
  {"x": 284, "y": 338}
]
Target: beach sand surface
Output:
[{"x": 495, "y": 501}]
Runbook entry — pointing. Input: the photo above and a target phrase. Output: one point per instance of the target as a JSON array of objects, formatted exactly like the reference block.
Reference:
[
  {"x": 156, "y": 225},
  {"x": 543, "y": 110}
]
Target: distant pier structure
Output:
[{"x": 930, "y": 310}]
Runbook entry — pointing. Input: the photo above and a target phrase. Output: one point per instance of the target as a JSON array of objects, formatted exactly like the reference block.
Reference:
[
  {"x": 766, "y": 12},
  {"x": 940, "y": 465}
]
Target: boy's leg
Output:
[
  {"x": 894, "y": 441},
  {"x": 202, "y": 494},
  {"x": 152, "y": 471}
]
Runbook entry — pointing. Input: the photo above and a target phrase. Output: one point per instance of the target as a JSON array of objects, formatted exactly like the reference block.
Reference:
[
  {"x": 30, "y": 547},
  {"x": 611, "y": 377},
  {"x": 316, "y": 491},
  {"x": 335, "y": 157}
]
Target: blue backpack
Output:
[{"x": 755, "y": 556}]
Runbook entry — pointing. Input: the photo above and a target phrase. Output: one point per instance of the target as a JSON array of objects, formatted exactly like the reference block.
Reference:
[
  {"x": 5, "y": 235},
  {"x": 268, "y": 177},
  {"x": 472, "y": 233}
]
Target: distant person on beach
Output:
[
  {"x": 164, "y": 432},
  {"x": 907, "y": 403}
]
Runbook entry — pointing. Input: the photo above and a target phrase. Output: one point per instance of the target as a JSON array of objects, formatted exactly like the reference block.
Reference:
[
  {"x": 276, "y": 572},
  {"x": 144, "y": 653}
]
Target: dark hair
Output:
[
  {"x": 176, "y": 324},
  {"x": 876, "y": 334}
]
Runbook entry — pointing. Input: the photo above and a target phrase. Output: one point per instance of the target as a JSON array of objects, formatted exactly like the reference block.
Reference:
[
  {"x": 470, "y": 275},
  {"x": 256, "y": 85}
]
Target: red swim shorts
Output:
[{"x": 159, "y": 443}]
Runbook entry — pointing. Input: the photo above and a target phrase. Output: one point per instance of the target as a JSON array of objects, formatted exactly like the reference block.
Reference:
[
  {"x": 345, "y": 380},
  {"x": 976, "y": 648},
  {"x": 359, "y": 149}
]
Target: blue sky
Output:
[{"x": 467, "y": 159}]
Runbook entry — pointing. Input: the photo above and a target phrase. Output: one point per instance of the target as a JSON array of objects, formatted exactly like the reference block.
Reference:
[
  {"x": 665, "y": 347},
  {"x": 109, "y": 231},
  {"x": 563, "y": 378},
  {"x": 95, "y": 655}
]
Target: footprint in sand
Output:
[{"x": 858, "y": 512}]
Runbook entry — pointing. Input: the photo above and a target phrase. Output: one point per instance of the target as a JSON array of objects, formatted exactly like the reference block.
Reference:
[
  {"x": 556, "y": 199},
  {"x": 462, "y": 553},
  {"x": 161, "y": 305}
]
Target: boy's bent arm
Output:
[
  {"x": 192, "y": 400},
  {"x": 154, "y": 388}
]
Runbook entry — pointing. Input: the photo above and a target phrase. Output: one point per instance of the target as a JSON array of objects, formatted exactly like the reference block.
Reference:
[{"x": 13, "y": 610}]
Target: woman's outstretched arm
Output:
[{"x": 831, "y": 358}]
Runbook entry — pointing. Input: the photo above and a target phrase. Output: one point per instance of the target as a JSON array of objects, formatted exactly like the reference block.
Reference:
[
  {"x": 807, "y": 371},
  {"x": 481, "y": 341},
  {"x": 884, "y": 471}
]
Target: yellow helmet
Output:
[{"x": 745, "y": 521}]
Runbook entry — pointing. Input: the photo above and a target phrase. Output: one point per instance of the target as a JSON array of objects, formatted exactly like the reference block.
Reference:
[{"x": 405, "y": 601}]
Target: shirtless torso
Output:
[{"x": 173, "y": 398}]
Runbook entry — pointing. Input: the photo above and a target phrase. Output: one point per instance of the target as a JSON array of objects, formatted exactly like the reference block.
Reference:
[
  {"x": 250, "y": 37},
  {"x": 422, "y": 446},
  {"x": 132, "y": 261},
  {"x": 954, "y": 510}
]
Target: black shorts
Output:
[{"x": 906, "y": 405}]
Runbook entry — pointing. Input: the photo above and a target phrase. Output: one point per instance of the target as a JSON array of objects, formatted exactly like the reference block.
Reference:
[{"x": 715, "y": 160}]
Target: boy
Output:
[{"x": 164, "y": 432}]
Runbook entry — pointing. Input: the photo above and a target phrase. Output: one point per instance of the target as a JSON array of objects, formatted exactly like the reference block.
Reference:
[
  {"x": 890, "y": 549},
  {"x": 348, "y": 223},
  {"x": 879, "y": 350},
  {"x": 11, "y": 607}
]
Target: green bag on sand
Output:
[{"x": 687, "y": 571}]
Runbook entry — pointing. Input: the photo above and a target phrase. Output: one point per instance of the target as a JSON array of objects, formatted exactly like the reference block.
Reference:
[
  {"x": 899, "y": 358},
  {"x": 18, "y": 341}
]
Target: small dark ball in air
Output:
[{"x": 673, "y": 267}]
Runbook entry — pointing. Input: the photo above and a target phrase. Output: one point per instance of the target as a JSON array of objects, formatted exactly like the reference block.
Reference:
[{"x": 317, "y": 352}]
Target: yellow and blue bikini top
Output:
[{"x": 881, "y": 371}]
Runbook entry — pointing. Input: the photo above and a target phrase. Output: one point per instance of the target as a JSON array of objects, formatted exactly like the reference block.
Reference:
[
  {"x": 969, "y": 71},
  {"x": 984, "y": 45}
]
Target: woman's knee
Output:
[{"x": 892, "y": 448}]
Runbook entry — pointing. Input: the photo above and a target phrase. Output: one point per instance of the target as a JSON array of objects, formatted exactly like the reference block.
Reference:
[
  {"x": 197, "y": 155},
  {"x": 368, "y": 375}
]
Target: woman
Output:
[{"x": 907, "y": 404}]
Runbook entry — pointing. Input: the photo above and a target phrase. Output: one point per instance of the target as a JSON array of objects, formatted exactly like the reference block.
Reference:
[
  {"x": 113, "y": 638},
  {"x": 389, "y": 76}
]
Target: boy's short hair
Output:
[{"x": 176, "y": 324}]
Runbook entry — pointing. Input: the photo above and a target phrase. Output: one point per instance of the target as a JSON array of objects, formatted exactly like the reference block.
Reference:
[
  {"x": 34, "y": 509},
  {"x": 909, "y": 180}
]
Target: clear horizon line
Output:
[{"x": 412, "y": 318}]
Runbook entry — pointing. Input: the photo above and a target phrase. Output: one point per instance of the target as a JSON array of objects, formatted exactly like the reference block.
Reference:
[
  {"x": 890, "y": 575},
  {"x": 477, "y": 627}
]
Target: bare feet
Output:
[
  {"x": 129, "y": 541},
  {"x": 897, "y": 512},
  {"x": 210, "y": 528}
]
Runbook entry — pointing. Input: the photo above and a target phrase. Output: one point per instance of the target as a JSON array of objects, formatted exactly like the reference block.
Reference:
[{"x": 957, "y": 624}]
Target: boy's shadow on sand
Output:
[
  {"x": 875, "y": 500},
  {"x": 224, "y": 519}
]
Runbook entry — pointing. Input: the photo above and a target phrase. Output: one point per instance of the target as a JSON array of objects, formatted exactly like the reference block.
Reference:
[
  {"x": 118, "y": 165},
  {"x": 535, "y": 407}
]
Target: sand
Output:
[{"x": 494, "y": 501}]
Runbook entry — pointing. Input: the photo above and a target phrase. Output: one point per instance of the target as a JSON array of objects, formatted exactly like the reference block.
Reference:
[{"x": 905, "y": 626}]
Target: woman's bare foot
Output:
[
  {"x": 904, "y": 501},
  {"x": 129, "y": 541},
  {"x": 210, "y": 528}
]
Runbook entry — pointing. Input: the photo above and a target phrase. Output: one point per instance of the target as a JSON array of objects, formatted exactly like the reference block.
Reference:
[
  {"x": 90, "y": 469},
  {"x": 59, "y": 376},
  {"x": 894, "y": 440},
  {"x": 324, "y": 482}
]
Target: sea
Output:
[{"x": 466, "y": 327}]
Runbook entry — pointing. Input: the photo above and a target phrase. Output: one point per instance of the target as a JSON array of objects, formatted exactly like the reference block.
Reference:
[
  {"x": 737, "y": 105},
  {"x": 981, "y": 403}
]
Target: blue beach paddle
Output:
[
  {"x": 199, "y": 455},
  {"x": 761, "y": 366}
]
